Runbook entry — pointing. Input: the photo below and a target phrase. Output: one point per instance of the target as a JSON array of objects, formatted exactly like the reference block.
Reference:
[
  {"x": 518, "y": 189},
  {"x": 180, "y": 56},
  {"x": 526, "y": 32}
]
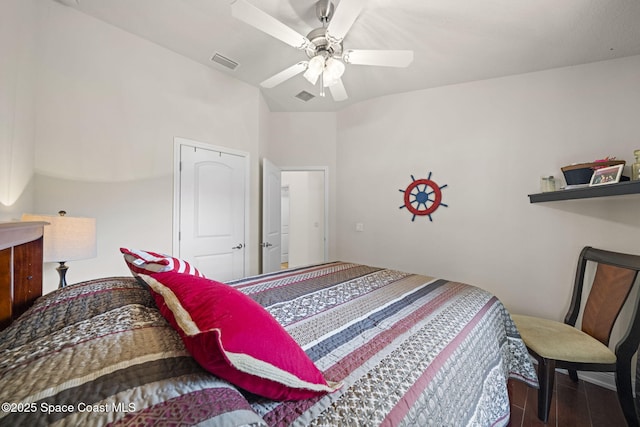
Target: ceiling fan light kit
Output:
[
  {"x": 315, "y": 67},
  {"x": 323, "y": 45}
]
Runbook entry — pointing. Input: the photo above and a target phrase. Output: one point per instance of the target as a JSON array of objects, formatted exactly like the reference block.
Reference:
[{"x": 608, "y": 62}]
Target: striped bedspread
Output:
[{"x": 411, "y": 350}]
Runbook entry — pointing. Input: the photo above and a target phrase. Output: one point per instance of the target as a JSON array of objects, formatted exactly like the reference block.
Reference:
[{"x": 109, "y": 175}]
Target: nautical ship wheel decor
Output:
[{"x": 422, "y": 197}]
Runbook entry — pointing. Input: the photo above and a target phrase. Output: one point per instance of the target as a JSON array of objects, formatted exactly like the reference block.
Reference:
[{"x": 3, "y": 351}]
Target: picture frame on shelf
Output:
[{"x": 605, "y": 176}]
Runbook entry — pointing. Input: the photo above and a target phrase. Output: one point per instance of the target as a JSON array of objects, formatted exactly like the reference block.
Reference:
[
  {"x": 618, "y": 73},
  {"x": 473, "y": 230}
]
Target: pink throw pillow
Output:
[{"x": 235, "y": 338}]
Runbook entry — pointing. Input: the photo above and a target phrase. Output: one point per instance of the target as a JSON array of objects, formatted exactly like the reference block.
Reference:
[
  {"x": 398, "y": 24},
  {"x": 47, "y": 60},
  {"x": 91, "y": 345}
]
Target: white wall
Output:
[
  {"x": 109, "y": 105},
  {"x": 490, "y": 141},
  {"x": 17, "y": 110}
]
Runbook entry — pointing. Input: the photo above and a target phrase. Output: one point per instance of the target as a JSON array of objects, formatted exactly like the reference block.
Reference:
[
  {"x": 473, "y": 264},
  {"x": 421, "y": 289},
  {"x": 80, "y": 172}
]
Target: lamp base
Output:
[{"x": 62, "y": 271}]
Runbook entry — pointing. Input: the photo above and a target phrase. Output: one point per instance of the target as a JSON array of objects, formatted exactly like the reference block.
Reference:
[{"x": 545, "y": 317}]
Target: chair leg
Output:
[
  {"x": 546, "y": 377},
  {"x": 573, "y": 374},
  {"x": 625, "y": 394}
]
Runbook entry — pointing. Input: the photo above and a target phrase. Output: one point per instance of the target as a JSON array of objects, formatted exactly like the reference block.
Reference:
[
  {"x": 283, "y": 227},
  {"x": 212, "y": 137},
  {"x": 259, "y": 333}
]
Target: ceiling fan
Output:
[{"x": 322, "y": 45}]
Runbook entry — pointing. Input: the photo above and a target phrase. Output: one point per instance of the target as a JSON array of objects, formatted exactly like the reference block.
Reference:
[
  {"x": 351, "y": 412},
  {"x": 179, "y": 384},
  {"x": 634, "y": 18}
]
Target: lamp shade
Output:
[{"x": 67, "y": 238}]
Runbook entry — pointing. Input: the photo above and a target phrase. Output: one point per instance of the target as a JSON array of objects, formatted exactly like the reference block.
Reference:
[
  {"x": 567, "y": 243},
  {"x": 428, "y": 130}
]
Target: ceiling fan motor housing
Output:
[{"x": 322, "y": 45}]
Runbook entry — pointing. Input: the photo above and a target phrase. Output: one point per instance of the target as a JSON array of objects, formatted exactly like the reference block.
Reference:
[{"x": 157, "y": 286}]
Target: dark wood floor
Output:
[{"x": 582, "y": 404}]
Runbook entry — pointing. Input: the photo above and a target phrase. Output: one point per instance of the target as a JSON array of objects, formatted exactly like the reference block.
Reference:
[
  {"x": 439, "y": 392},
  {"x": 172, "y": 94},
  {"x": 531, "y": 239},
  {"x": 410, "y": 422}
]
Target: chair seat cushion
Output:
[{"x": 559, "y": 341}]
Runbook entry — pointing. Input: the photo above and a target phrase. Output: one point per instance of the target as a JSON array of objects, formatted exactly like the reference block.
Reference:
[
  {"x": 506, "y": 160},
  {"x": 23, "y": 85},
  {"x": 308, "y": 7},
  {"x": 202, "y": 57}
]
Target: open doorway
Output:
[
  {"x": 304, "y": 193},
  {"x": 304, "y": 219}
]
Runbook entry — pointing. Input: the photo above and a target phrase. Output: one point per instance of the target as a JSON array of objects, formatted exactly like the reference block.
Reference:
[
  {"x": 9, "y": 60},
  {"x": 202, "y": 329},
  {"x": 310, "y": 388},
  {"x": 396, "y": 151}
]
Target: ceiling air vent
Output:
[
  {"x": 305, "y": 96},
  {"x": 224, "y": 61}
]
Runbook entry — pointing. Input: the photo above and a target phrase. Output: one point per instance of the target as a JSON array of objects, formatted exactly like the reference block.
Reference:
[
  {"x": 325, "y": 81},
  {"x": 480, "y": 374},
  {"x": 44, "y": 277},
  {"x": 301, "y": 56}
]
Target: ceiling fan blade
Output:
[
  {"x": 248, "y": 13},
  {"x": 338, "y": 92},
  {"x": 343, "y": 18},
  {"x": 384, "y": 58},
  {"x": 284, "y": 75}
]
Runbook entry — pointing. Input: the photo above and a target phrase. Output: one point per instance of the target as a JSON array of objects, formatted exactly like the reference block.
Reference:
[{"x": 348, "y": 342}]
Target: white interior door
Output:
[
  {"x": 271, "y": 217},
  {"x": 212, "y": 211}
]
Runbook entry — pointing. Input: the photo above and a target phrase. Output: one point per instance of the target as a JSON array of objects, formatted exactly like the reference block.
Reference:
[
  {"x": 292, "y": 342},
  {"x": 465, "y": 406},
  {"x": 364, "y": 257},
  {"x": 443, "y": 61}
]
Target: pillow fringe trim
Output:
[
  {"x": 257, "y": 367},
  {"x": 184, "y": 320}
]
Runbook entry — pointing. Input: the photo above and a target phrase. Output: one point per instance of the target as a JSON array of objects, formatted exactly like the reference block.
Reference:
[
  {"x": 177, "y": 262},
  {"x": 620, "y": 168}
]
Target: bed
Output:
[{"x": 398, "y": 349}]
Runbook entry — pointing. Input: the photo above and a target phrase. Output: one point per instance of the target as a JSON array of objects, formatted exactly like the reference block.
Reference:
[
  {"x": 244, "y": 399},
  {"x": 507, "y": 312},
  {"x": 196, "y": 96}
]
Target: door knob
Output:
[{"x": 238, "y": 247}]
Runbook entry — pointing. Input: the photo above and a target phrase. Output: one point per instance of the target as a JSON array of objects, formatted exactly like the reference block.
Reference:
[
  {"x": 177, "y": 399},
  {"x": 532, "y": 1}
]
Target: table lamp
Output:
[{"x": 66, "y": 239}]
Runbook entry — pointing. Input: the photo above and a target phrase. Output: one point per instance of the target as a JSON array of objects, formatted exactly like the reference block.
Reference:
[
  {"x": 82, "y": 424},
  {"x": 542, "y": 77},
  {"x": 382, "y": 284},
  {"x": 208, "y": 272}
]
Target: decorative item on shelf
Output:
[
  {"x": 581, "y": 173},
  {"x": 635, "y": 168},
  {"x": 66, "y": 239},
  {"x": 418, "y": 197},
  {"x": 547, "y": 183},
  {"x": 604, "y": 176}
]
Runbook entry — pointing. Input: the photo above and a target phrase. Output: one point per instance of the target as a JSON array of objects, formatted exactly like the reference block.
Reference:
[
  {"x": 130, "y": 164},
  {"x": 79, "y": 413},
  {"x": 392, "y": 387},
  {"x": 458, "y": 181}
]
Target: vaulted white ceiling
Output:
[{"x": 454, "y": 41}]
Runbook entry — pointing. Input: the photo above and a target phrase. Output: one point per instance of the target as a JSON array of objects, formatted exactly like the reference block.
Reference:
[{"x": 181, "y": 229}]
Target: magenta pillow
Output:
[
  {"x": 145, "y": 262},
  {"x": 235, "y": 338}
]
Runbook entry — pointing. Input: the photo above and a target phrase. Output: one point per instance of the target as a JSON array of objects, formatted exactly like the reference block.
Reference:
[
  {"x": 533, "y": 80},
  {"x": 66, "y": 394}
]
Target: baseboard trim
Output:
[{"x": 603, "y": 379}]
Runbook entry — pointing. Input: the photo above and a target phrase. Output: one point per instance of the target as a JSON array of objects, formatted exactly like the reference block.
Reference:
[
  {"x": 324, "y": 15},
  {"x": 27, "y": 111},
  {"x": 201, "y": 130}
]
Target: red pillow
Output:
[
  {"x": 235, "y": 338},
  {"x": 145, "y": 262}
]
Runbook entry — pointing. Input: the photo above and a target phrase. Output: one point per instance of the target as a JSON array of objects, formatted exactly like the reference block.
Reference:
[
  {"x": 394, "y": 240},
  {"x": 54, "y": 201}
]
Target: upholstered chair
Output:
[{"x": 586, "y": 348}]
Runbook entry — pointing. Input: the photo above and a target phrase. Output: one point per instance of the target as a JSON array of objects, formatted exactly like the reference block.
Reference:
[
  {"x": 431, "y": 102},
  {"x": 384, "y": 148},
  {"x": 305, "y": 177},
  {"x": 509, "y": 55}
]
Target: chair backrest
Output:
[{"x": 614, "y": 278}]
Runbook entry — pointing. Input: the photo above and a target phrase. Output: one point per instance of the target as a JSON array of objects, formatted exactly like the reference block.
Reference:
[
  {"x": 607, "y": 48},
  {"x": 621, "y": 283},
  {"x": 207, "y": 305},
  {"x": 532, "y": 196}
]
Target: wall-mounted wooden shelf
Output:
[{"x": 619, "y": 189}]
